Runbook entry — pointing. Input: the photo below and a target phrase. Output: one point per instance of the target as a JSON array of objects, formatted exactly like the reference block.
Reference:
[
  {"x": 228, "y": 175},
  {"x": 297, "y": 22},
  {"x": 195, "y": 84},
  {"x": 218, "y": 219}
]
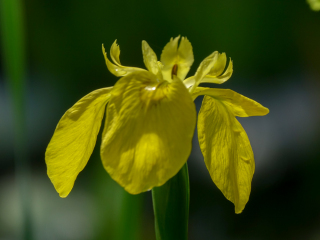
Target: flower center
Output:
[
  {"x": 174, "y": 71},
  {"x": 152, "y": 93}
]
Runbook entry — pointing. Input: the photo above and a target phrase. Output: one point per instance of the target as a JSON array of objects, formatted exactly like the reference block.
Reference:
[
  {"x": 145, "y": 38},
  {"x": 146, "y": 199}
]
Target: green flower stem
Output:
[
  {"x": 171, "y": 207},
  {"x": 129, "y": 225},
  {"x": 12, "y": 33}
]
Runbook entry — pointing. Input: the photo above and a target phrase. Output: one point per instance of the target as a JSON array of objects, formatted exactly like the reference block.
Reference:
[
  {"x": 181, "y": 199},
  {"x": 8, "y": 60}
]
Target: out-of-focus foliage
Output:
[{"x": 314, "y": 4}]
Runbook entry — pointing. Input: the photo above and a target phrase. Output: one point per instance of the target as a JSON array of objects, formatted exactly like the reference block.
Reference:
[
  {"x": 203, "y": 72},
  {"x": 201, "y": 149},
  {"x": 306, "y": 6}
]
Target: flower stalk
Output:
[{"x": 171, "y": 207}]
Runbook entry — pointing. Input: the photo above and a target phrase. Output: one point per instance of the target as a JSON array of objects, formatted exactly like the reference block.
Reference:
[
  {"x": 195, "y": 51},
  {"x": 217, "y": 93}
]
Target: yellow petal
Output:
[
  {"x": 205, "y": 66},
  {"x": 240, "y": 105},
  {"x": 169, "y": 57},
  {"x": 182, "y": 57},
  {"x": 117, "y": 69},
  {"x": 185, "y": 58},
  {"x": 219, "y": 79},
  {"x": 148, "y": 131},
  {"x": 219, "y": 65},
  {"x": 227, "y": 151},
  {"x": 115, "y": 53},
  {"x": 189, "y": 82},
  {"x": 150, "y": 58},
  {"x": 74, "y": 139},
  {"x": 210, "y": 70}
]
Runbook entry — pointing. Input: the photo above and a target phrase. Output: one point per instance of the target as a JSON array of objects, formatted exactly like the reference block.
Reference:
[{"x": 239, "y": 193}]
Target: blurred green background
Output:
[{"x": 275, "y": 46}]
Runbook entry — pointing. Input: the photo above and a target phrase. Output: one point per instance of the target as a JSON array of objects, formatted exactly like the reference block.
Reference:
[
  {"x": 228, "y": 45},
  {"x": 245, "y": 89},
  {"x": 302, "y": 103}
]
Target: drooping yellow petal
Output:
[
  {"x": 117, "y": 69},
  {"x": 74, "y": 139},
  {"x": 227, "y": 151},
  {"x": 240, "y": 105},
  {"x": 148, "y": 131},
  {"x": 181, "y": 58}
]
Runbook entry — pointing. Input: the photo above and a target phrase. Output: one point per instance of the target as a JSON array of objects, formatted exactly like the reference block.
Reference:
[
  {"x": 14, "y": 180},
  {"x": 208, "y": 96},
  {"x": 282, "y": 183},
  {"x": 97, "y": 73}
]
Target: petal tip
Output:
[
  {"x": 145, "y": 44},
  {"x": 238, "y": 211},
  {"x": 63, "y": 195}
]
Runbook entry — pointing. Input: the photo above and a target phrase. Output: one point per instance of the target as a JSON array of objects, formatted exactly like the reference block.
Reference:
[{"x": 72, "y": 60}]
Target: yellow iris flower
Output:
[{"x": 150, "y": 121}]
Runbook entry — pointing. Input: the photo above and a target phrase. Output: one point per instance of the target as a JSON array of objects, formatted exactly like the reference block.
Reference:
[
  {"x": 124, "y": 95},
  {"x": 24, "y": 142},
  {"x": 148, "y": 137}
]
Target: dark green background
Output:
[{"x": 275, "y": 46}]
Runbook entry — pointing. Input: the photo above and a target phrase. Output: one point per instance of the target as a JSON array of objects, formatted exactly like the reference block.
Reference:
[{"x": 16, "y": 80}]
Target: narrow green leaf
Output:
[{"x": 171, "y": 207}]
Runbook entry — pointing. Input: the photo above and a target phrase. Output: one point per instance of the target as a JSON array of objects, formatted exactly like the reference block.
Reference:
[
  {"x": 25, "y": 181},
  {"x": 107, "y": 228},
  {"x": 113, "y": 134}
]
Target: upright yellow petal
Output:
[
  {"x": 210, "y": 71},
  {"x": 219, "y": 66},
  {"x": 227, "y": 151},
  {"x": 186, "y": 58},
  {"x": 189, "y": 82},
  {"x": 117, "y": 69},
  {"x": 148, "y": 131},
  {"x": 115, "y": 53},
  {"x": 169, "y": 57},
  {"x": 218, "y": 79},
  {"x": 176, "y": 58},
  {"x": 240, "y": 105},
  {"x": 74, "y": 139},
  {"x": 150, "y": 58},
  {"x": 205, "y": 66}
]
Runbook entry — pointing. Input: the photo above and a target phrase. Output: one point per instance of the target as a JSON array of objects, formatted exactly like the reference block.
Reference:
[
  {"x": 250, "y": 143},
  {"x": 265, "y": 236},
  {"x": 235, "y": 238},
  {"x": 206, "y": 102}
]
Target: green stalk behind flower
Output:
[
  {"x": 171, "y": 207},
  {"x": 12, "y": 33}
]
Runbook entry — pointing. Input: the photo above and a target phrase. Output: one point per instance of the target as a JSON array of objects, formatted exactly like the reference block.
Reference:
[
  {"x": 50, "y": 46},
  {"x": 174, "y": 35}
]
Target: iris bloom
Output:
[{"x": 150, "y": 121}]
